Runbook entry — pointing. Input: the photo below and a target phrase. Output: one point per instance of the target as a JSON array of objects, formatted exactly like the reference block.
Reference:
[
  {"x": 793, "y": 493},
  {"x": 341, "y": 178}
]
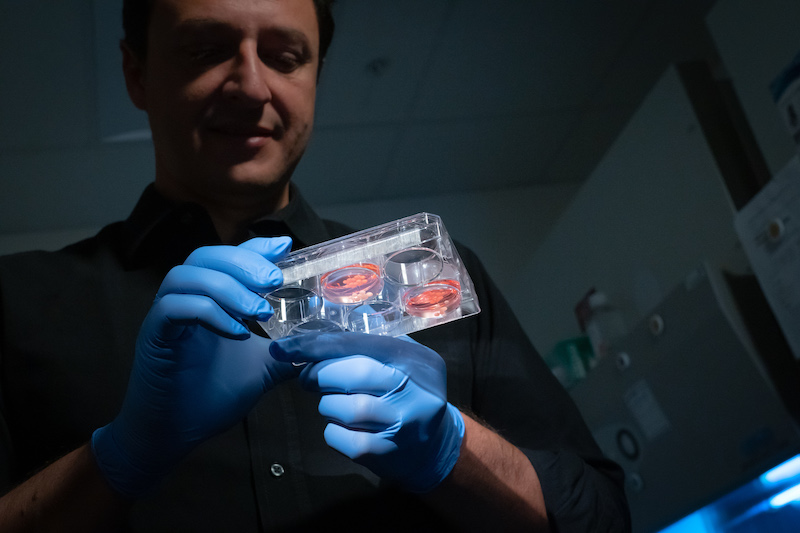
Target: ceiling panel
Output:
[
  {"x": 377, "y": 60},
  {"x": 418, "y": 97},
  {"x": 506, "y": 56},
  {"x": 591, "y": 135},
  {"x": 344, "y": 164},
  {"x": 439, "y": 157}
]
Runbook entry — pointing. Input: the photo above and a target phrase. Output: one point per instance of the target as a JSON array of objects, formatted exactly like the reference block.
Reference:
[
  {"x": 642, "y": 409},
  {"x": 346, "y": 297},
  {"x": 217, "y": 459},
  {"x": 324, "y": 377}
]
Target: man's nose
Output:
[{"x": 248, "y": 81}]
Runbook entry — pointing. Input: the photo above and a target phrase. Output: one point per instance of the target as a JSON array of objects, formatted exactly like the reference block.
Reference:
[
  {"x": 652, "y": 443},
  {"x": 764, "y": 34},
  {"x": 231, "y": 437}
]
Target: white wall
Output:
[
  {"x": 756, "y": 41},
  {"x": 655, "y": 206},
  {"x": 653, "y": 209}
]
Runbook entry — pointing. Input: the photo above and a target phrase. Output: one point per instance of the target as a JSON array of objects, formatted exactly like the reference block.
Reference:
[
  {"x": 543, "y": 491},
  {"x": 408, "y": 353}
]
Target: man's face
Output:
[{"x": 229, "y": 88}]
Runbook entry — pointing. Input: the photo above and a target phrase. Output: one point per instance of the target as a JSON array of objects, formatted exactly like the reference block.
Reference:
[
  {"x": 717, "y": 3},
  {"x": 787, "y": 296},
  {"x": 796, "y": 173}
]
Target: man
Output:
[{"x": 195, "y": 423}]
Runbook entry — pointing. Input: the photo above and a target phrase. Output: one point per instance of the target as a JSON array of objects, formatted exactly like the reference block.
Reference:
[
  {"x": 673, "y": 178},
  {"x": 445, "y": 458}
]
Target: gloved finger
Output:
[
  {"x": 356, "y": 444},
  {"x": 419, "y": 362},
  {"x": 273, "y": 248},
  {"x": 358, "y": 411},
  {"x": 250, "y": 358},
  {"x": 170, "y": 315},
  {"x": 407, "y": 339},
  {"x": 244, "y": 265},
  {"x": 314, "y": 347},
  {"x": 353, "y": 374},
  {"x": 280, "y": 371},
  {"x": 227, "y": 292}
]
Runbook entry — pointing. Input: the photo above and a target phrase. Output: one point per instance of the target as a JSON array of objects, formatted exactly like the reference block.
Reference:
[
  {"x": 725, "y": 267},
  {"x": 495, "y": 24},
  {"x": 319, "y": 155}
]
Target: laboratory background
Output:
[{"x": 627, "y": 170}]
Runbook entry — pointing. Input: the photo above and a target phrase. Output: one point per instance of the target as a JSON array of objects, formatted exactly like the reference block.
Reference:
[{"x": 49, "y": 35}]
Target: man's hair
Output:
[{"x": 136, "y": 19}]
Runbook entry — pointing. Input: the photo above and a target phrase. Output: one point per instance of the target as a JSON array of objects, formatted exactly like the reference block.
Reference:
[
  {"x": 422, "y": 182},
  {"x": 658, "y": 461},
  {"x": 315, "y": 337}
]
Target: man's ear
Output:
[{"x": 133, "y": 69}]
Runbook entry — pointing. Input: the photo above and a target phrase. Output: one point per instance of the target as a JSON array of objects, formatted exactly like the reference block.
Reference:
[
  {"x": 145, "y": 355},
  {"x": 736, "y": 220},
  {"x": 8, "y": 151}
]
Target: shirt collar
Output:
[
  {"x": 162, "y": 231},
  {"x": 298, "y": 220}
]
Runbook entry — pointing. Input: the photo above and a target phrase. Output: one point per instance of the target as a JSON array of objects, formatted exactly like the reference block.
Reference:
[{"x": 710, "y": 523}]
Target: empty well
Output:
[{"x": 413, "y": 266}]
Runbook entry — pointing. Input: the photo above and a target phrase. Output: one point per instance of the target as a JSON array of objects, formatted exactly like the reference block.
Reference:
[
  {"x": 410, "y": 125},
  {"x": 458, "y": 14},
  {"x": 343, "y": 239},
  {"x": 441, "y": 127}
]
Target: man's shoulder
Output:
[{"x": 82, "y": 251}]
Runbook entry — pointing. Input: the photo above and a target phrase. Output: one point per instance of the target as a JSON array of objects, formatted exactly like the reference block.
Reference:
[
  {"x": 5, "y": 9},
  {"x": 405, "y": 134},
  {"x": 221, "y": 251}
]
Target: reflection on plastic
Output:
[
  {"x": 352, "y": 284},
  {"x": 293, "y": 304},
  {"x": 434, "y": 299},
  {"x": 414, "y": 266},
  {"x": 316, "y": 326},
  {"x": 377, "y": 318}
]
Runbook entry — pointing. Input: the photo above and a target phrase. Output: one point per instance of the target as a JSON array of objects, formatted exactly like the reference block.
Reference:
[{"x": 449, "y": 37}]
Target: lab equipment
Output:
[
  {"x": 604, "y": 325},
  {"x": 690, "y": 403},
  {"x": 393, "y": 279}
]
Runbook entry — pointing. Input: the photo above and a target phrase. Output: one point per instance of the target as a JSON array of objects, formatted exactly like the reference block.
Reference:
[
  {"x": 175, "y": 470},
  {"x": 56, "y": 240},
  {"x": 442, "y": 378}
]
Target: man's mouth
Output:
[
  {"x": 242, "y": 130},
  {"x": 251, "y": 136}
]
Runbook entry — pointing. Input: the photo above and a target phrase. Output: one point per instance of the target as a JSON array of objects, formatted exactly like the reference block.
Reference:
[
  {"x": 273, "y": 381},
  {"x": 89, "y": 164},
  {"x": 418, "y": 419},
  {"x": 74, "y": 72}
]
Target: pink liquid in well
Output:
[
  {"x": 352, "y": 284},
  {"x": 433, "y": 300}
]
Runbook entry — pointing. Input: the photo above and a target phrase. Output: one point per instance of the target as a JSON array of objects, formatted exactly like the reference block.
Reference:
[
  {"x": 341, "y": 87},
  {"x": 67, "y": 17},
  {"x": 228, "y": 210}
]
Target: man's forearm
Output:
[
  {"x": 68, "y": 495},
  {"x": 493, "y": 486}
]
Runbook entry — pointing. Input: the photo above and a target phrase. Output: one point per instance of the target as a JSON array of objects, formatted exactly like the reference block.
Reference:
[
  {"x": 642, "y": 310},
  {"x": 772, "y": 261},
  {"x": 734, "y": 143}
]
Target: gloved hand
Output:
[
  {"x": 197, "y": 370},
  {"x": 385, "y": 400}
]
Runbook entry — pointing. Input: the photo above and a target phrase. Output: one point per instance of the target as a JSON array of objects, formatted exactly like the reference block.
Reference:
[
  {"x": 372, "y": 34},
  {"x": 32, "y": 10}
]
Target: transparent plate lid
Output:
[{"x": 408, "y": 271}]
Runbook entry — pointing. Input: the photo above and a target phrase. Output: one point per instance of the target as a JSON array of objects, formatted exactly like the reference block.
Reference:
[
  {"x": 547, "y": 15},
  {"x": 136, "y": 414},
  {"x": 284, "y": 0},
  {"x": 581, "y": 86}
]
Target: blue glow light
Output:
[
  {"x": 786, "y": 470},
  {"x": 789, "y": 495},
  {"x": 694, "y": 523}
]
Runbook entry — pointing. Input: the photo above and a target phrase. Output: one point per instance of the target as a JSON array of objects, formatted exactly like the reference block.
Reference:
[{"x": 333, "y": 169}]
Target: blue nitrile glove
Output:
[
  {"x": 197, "y": 370},
  {"x": 386, "y": 402}
]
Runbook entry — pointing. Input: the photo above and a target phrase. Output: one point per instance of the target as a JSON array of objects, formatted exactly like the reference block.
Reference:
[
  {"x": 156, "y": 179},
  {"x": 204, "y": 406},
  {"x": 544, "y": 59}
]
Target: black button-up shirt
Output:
[{"x": 69, "y": 324}]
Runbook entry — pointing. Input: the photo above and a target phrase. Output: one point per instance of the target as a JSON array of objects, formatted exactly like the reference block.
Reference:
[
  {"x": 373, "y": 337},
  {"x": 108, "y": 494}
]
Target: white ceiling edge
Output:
[{"x": 129, "y": 136}]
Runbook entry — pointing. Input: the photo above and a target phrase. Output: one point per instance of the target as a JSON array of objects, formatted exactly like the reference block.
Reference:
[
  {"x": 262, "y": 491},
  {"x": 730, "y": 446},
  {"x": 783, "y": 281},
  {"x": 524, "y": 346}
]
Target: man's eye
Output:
[
  {"x": 207, "y": 54},
  {"x": 284, "y": 61}
]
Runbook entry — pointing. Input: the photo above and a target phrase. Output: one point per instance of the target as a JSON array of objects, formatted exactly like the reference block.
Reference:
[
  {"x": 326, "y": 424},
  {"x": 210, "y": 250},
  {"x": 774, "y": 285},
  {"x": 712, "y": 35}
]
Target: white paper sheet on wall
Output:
[{"x": 769, "y": 229}]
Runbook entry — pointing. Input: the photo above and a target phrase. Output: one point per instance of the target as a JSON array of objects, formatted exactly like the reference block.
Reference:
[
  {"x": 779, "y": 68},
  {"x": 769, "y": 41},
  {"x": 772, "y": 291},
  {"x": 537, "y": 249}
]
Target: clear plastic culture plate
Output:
[{"x": 393, "y": 279}]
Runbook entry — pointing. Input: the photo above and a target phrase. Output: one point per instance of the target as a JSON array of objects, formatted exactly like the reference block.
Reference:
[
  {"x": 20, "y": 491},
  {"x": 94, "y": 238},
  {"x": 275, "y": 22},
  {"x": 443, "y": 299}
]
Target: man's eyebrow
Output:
[
  {"x": 290, "y": 33},
  {"x": 208, "y": 24},
  {"x": 201, "y": 24}
]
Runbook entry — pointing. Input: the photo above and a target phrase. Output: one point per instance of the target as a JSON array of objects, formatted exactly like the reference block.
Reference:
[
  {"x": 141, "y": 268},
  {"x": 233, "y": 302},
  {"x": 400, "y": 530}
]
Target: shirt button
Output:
[{"x": 277, "y": 470}]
